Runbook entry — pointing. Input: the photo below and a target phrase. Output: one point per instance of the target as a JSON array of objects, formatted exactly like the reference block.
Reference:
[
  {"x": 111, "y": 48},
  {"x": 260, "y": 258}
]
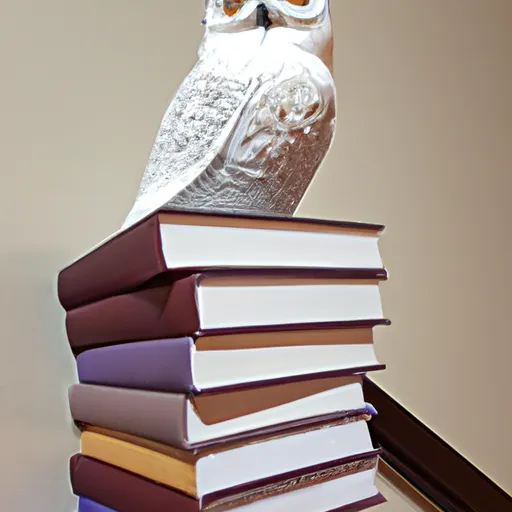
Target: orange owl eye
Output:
[
  {"x": 231, "y": 6},
  {"x": 299, "y": 2}
]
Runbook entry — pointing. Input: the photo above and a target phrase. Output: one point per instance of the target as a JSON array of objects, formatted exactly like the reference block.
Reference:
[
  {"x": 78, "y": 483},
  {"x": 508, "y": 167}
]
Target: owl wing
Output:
[
  {"x": 196, "y": 125},
  {"x": 281, "y": 108}
]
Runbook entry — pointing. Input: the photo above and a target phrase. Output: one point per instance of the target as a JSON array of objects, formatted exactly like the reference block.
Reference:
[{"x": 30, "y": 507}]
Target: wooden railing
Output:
[{"x": 416, "y": 455}]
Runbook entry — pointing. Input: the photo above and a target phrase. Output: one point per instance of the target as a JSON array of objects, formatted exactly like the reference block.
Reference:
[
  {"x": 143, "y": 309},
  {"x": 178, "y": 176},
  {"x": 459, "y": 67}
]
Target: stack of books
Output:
[{"x": 220, "y": 362}]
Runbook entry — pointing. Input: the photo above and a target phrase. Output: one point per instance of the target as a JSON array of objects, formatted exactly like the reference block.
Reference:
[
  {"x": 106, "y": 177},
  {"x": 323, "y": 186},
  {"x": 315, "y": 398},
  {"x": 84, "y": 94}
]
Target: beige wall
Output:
[
  {"x": 425, "y": 146},
  {"x": 425, "y": 121}
]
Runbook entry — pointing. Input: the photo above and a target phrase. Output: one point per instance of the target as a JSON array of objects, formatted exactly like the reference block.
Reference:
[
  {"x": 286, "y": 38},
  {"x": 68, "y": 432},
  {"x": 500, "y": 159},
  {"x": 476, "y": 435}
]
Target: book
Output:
[
  {"x": 184, "y": 242},
  {"x": 85, "y": 505},
  {"x": 226, "y": 302},
  {"x": 246, "y": 471},
  {"x": 122, "y": 490},
  {"x": 219, "y": 363},
  {"x": 189, "y": 422}
]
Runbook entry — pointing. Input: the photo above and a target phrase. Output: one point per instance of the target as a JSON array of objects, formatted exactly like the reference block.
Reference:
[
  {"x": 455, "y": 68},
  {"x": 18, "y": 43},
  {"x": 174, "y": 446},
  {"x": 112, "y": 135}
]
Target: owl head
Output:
[{"x": 239, "y": 15}]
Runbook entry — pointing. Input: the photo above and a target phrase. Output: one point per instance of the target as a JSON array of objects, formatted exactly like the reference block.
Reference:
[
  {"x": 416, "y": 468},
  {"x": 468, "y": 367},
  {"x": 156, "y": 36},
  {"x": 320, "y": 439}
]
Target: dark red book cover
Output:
[
  {"x": 127, "y": 492},
  {"x": 171, "y": 310},
  {"x": 134, "y": 257}
]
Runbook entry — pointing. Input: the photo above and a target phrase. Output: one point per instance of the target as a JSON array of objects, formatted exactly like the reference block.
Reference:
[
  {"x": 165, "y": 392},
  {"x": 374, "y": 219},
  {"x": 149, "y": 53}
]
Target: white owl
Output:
[{"x": 252, "y": 122}]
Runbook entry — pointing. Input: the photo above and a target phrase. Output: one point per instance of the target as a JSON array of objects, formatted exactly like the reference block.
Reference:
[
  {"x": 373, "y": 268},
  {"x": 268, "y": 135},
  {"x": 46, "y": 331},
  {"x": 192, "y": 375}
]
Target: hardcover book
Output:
[
  {"x": 185, "y": 242},
  {"x": 122, "y": 490},
  {"x": 248, "y": 466},
  {"x": 219, "y": 363},
  {"x": 189, "y": 422},
  {"x": 226, "y": 302}
]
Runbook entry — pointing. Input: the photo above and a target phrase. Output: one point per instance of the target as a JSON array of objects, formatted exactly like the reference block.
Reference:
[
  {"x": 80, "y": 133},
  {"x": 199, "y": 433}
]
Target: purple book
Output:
[
  {"x": 86, "y": 505},
  {"x": 183, "y": 365},
  {"x": 160, "y": 365}
]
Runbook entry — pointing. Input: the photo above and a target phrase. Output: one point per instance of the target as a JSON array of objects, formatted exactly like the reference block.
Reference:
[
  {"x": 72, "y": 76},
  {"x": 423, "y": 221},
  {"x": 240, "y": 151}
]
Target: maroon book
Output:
[
  {"x": 219, "y": 302},
  {"x": 127, "y": 492},
  {"x": 181, "y": 243}
]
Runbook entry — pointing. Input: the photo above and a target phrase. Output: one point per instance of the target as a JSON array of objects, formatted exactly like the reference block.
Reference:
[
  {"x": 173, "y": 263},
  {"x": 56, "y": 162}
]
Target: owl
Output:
[{"x": 252, "y": 122}]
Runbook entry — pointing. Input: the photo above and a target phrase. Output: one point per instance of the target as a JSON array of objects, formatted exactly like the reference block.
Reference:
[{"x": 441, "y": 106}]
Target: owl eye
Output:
[
  {"x": 231, "y": 6},
  {"x": 301, "y": 3}
]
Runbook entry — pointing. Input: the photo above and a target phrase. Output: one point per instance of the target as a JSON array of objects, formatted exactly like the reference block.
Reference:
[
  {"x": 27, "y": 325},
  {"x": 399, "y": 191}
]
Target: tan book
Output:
[{"x": 241, "y": 472}]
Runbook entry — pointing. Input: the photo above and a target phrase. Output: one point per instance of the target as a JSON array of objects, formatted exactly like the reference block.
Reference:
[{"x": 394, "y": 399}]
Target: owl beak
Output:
[{"x": 263, "y": 17}]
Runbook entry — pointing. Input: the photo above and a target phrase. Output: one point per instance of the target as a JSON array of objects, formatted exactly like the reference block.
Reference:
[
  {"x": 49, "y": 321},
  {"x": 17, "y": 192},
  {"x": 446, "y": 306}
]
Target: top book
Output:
[{"x": 184, "y": 242}]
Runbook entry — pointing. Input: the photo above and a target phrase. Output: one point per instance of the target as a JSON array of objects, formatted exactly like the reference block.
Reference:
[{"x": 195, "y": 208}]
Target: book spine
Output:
[
  {"x": 123, "y": 263},
  {"x": 151, "y": 415},
  {"x": 121, "y": 490},
  {"x": 152, "y": 313},
  {"x": 165, "y": 366}
]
